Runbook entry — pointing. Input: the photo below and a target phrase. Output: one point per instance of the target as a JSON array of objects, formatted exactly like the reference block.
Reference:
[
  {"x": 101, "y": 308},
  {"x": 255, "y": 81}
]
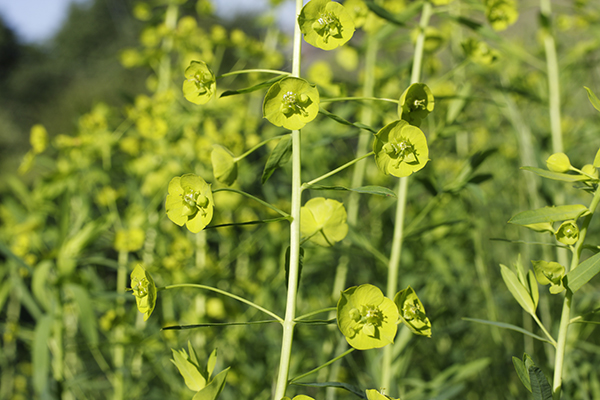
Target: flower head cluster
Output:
[
  {"x": 568, "y": 233},
  {"x": 366, "y": 318},
  {"x": 501, "y": 13},
  {"x": 400, "y": 149},
  {"x": 549, "y": 273},
  {"x": 190, "y": 202},
  {"x": 291, "y": 103},
  {"x": 200, "y": 83},
  {"x": 323, "y": 221},
  {"x": 325, "y": 24},
  {"x": 415, "y": 104},
  {"x": 412, "y": 312},
  {"x": 144, "y": 290}
]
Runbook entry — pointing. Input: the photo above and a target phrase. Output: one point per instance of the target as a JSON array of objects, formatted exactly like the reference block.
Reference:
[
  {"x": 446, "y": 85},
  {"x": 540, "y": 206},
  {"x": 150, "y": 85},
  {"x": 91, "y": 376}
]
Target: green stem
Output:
[
  {"x": 293, "y": 275},
  {"x": 236, "y": 159},
  {"x": 565, "y": 318},
  {"x": 344, "y": 354},
  {"x": 394, "y": 264},
  {"x": 550, "y": 338},
  {"x": 164, "y": 74},
  {"x": 335, "y": 171},
  {"x": 224, "y": 293},
  {"x": 334, "y": 99},
  {"x": 310, "y": 314},
  {"x": 119, "y": 350},
  {"x": 264, "y": 203},
  {"x": 250, "y": 71}
]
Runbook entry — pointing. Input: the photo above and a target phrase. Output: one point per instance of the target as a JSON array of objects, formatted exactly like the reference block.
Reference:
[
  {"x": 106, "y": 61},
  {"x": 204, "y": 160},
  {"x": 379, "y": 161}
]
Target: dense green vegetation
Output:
[{"x": 101, "y": 141}]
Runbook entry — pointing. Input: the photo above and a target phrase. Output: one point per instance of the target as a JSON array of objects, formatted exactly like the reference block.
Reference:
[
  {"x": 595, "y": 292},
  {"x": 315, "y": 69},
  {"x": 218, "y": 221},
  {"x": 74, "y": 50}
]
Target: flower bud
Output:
[
  {"x": 224, "y": 165},
  {"x": 558, "y": 162}
]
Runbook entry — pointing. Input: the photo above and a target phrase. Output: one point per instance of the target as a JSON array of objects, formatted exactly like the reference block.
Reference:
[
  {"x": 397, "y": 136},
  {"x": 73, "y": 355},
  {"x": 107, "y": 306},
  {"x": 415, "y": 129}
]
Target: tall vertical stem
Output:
[
  {"x": 394, "y": 264},
  {"x": 164, "y": 74},
  {"x": 290, "y": 309},
  {"x": 119, "y": 336},
  {"x": 565, "y": 318}
]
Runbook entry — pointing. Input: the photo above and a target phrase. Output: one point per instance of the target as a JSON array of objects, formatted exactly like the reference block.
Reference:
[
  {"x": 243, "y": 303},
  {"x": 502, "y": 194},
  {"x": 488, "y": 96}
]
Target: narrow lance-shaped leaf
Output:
[
  {"x": 279, "y": 156},
  {"x": 517, "y": 289},
  {"x": 342, "y": 121},
  {"x": 214, "y": 388},
  {"x": 376, "y": 190},
  {"x": 549, "y": 214},
  {"x": 540, "y": 388},
  {"x": 557, "y": 176},
  {"x": 41, "y": 353},
  {"x": 522, "y": 372},
  {"x": 253, "y": 88},
  {"x": 593, "y": 98},
  {"x": 582, "y": 274},
  {"x": 597, "y": 159}
]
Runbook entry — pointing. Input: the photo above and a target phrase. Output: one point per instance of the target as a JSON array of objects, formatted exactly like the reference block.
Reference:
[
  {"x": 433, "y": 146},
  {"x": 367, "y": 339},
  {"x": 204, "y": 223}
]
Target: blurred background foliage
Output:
[{"x": 79, "y": 215}]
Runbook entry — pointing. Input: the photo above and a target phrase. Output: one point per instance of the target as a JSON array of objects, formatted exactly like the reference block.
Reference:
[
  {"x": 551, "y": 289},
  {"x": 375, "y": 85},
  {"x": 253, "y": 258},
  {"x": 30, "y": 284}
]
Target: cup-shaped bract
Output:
[
  {"x": 325, "y": 24},
  {"x": 366, "y": 317},
  {"x": 373, "y": 394},
  {"x": 324, "y": 221},
  {"x": 501, "y": 13},
  {"x": 144, "y": 290},
  {"x": 224, "y": 165},
  {"x": 358, "y": 11},
  {"x": 567, "y": 233},
  {"x": 415, "y": 104},
  {"x": 38, "y": 138},
  {"x": 590, "y": 170},
  {"x": 558, "y": 162},
  {"x": 190, "y": 202},
  {"x": 550, "y": 273},
  {"x": 479, "y": 52},
  {"x": 412, "y": 312},
  {"x": 291, "y": 103},
  {"x": 400, "y": 149},
  {"x": 200, "y": 83}
]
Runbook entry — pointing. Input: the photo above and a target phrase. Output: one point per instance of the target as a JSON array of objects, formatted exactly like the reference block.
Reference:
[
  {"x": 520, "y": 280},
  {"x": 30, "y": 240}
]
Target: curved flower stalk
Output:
[
  {"x": 291, "y": 103},
  {"x": 323, "y": 221},
  {"x": 366, "y": 317},
  {"x": 144, "y": 290},
  {"x": 325, "y": 24},
  {"x": 400, "y": 149},
  {"x": 190, "y": 202},
  {"x": 200, "y": 83}
]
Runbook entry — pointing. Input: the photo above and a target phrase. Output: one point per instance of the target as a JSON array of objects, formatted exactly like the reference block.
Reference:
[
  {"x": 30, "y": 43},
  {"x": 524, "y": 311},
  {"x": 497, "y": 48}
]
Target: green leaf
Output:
[
  {"x": 522, "y": 372},
  {"x": 376, "y": 190},
  {"x": 517, "y": 289},
  {"x": 213, "y": 324},
  {"x": 540, "y": 388},
  {"x": 533, "y": 288},
  {"x": 581, "y": 274},
  {"x": 279, "y": 156},
  {"x": 253, "y": 88},
  {"x": 352, "y": 389},
  {"x": 212, "y": 361},
  {"x": 41, "y": 353},
  {"x": 214, "y": 388},
  {"x": 597, "y": 159},
  {"x": 398, "y": 19},
  {"x": 593, "y": 99},
  {"x": 557, "y": 176},
  {"x": 287, "y": 265},
  {"x": 40, "y": 283},
  {"x": 190, "y": 372},
  {"x": 342, "y": 121},
  {"x": 549, "y": 214},
  {"x": 504, "y": 325},
  {"x": 87, "y": 316}
]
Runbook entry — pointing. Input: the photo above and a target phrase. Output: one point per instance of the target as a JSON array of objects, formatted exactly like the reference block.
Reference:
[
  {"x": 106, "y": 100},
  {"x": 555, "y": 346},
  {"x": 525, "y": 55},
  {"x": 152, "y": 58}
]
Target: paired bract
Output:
[
  {"x": 366, "y": 317},
  {"x": 325, "y": 24},
  {"x": 323, "y": 221},
  {"x": 291, "y": 103},
  {"x": 400, "y": 149},
  {"x": 144, "y": 290},
  {"x": 200, "y": 83},
  {"x": 190, "y": 202}
]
